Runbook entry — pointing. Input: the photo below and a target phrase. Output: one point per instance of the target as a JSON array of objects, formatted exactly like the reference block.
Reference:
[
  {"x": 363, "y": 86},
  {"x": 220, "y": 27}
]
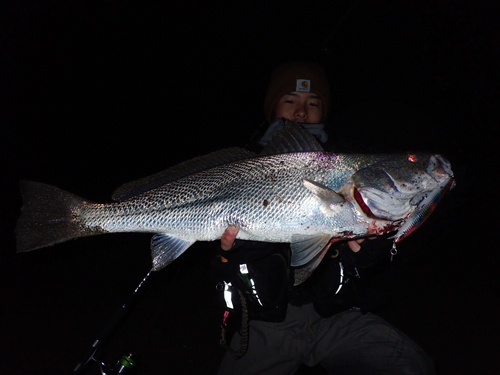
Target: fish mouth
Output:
[
  {"x": 425, "y": 207},
  {"x": 440, "y": 169}
]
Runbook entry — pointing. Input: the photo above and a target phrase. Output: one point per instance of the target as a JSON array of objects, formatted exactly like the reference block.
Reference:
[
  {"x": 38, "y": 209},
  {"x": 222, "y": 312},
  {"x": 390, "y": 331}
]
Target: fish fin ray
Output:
[
  {"x": 302, "y": 273},
  {"x": 306, "y": 247},
  {"x": 179, "y": 171},
  {"x": 291, "y": 138},
  {"x": 47, "y": 217},
  {"x": 166, "y": 248},
  {"x": 323, "y": 193}
]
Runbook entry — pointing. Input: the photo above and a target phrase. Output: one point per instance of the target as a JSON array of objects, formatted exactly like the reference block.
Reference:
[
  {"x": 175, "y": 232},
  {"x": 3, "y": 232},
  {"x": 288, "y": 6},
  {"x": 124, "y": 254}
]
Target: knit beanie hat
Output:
[{"x": 296, "y": 76}]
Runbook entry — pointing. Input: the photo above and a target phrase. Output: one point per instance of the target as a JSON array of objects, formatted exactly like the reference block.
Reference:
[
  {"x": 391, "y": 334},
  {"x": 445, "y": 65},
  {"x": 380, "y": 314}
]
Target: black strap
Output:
[{"x": 243, "y": 331}]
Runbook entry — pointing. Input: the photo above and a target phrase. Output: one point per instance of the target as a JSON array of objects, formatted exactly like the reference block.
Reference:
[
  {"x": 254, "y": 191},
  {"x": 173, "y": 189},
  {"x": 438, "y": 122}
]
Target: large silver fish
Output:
[{"x": 294, "y": 192}]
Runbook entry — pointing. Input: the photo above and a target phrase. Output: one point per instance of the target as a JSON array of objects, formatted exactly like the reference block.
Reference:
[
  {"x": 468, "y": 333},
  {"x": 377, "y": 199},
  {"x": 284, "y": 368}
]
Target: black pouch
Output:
[{"x": 264, "y": 280}]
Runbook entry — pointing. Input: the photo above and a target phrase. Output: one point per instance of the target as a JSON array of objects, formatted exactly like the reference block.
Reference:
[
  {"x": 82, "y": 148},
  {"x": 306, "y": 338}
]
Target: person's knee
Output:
[{"x": 415, "y": 362}]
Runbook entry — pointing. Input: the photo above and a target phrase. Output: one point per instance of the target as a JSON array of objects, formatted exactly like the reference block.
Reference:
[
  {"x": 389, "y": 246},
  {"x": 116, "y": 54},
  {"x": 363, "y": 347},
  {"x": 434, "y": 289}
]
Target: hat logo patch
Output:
[{"x": 303, "y": 85}]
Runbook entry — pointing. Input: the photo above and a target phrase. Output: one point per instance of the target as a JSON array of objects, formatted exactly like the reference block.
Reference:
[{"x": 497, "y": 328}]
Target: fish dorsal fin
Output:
[
  {"x": 291, "y": 138},
  {"x": 307, "y": 253},
  {"x": 165, "y": 249},
  {"x": 181, "y": 170},
  {"x": 325, "y": 195}
]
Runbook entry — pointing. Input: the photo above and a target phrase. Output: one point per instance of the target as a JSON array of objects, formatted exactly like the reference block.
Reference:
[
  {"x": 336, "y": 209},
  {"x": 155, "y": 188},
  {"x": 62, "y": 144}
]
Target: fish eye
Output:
[{"x": 412, "y": 158}]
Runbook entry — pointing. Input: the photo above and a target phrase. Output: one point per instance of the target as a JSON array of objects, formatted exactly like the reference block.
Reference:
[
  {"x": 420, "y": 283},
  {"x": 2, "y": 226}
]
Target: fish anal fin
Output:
[
  {"x": 166, "y": 248},
  {"x": 306, "y": 247},
  {"x": 303, "y": 272}
]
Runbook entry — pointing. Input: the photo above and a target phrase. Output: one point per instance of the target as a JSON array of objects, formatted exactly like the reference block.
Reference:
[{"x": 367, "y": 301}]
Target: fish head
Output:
[{"x": 395, "y": 187}]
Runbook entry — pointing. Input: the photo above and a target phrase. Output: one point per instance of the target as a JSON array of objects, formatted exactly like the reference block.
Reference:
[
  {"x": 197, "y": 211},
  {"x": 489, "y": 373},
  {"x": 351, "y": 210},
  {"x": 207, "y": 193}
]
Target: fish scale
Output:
[
  {"x": 233, "y": 194},
  {"x": 306, "y": 198}
]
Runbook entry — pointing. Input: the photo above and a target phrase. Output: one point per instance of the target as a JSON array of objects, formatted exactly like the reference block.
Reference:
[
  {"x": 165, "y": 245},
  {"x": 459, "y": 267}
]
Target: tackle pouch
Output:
[{"x": 261, "y": 272}]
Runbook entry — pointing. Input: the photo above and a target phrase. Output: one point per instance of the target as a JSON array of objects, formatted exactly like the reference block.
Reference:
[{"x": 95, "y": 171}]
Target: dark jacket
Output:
[{"x": 336, "y": 285}]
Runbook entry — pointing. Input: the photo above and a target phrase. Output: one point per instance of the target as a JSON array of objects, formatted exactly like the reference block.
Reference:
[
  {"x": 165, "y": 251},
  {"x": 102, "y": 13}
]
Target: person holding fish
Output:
[
  {"x": 303, "y": 211},
  {"x": 323, "y": 320}
]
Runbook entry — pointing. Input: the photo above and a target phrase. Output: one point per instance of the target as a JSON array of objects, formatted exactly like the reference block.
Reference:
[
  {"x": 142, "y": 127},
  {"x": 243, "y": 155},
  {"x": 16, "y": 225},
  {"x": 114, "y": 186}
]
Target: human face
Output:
[{"x": 302, "y": 107}]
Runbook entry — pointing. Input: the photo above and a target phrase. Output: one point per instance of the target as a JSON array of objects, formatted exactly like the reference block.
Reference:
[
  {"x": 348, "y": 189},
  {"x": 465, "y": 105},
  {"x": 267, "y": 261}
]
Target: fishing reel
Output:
[{"x": 126, "y": 365}]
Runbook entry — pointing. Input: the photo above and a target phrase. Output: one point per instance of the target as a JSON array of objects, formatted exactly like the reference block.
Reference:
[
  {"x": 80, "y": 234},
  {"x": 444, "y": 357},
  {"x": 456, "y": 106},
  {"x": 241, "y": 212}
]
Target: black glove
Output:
[{"x": 370, "y": 253}]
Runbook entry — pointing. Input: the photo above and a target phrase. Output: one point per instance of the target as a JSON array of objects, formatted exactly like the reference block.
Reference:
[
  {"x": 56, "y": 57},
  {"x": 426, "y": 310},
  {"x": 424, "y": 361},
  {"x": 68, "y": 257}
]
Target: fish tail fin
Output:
[{"x": 47, "y": 217}]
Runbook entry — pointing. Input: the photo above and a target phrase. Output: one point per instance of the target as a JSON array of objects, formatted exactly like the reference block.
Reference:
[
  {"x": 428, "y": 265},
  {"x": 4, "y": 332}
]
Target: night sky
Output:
[{"x": 93, "y": 95}]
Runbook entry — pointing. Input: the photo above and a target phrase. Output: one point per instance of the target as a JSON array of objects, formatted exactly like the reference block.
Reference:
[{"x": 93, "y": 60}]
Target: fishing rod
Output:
[{"x": 128, "y": 362}]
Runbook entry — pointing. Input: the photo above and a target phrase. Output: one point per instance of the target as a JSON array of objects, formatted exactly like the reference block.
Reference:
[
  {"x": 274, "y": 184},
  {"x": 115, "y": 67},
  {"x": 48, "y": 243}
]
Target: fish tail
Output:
[{"x": 48, "y": 217}]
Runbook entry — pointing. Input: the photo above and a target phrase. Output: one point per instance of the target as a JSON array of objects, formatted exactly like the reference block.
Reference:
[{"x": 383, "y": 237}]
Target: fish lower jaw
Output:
[{"x": 370, "y": 229}]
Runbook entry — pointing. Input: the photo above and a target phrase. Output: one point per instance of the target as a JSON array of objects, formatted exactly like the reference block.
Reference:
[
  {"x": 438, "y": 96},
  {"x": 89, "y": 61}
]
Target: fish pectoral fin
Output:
[
  {"x": 302, "y": 273},
  {"x": 325, "y": 195},
  {"x": 166, "y": 248},
  {"x": 306, "y": 247}
]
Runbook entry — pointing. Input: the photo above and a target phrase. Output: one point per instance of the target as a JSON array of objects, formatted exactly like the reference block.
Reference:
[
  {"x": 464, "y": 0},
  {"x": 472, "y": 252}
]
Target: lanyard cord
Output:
[{"x": 243, "y": 330}]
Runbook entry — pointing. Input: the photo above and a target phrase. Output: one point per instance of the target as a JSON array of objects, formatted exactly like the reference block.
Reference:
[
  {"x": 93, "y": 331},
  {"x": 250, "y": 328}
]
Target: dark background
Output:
[{"x": 93, "y": 95}]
